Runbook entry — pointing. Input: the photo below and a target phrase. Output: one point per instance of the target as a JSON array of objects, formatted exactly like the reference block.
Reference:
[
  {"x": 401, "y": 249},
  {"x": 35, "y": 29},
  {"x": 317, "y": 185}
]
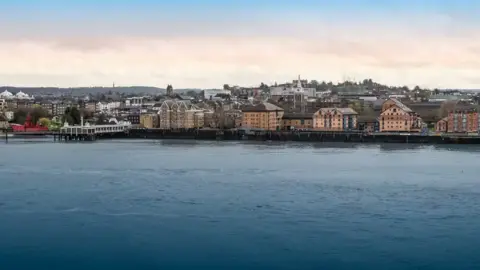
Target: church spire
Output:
[{"x": 299, "y": 82}]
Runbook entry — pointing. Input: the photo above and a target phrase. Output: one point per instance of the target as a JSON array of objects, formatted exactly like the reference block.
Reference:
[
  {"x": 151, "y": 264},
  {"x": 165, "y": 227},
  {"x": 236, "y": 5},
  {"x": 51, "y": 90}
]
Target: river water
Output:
[{"x": 235, "y": 205}]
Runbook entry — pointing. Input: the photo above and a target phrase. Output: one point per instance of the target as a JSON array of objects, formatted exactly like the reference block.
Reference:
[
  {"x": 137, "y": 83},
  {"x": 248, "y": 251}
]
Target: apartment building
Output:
[
  {"x": 180, "y": 114},
  {"x": 297, "y": 121},
  {"x": 264, "y": 116},
  {"x": 149, "y": 120},
  {"x": 463, "y": 120},
  {"x": 335, "y": 119},
  {"x": 397, "y": 117}
]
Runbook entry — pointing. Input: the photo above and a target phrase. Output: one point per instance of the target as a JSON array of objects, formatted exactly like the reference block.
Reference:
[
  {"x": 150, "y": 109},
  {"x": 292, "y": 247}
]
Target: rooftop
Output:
[
  {"x": 340, "y": 110},
  {"x": 263, "y": 107},
  {"x": 402, "y": 106}
]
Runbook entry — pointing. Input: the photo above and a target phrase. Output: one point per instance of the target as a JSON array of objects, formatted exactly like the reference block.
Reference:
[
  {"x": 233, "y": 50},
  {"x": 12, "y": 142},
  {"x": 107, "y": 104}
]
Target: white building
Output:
[
  {"x": 134, "y": 102},
  {"x": 211, "y": 94},
  {"x": 296, "y": 88},
  {"x": 6, "y": 95},
  {"x": 108, "y": 107},
  {"x": 20, "y": 95},
  {"x": 9, "y": 115}
]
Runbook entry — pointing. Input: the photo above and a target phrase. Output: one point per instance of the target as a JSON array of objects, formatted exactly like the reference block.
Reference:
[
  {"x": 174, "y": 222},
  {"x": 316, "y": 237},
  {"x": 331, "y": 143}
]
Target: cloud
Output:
[{"x": 252, "y": 52}]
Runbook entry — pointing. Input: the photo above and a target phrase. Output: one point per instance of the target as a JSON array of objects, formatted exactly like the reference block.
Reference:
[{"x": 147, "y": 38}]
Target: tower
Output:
[
  {"x": 169, "y": 90},
  {"x": 299, "y": 94}
]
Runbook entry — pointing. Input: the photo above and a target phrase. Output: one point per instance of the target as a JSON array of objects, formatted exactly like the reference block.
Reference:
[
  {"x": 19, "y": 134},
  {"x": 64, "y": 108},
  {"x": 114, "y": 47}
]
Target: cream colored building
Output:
[
  {"x": 263, "y": 116},
  {"x": 149, "y": 120},
  {"x": 179, "y": 114}
]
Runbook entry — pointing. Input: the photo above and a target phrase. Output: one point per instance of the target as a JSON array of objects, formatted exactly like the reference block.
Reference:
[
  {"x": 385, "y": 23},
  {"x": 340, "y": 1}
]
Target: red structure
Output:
[
  {"x": 463, "y": 120},
  {"x": 28, "y": 126}
]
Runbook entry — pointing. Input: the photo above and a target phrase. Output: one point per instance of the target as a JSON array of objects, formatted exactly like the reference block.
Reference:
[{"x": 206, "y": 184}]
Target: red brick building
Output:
[{"x": 463, "y": 120}]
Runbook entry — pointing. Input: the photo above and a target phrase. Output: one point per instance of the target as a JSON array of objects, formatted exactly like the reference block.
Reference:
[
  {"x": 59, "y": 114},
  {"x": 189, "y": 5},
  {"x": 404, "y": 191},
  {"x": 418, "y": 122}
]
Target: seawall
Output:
[{"x": 211, "y": 134}]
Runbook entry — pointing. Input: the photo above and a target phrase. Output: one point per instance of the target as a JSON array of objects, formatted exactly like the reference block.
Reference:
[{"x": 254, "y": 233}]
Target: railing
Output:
[{"x": 81, "y": 130}]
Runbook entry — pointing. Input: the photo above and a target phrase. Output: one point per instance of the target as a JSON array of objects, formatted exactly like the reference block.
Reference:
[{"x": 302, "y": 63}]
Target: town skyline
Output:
[{"x": 204, "y": 45}]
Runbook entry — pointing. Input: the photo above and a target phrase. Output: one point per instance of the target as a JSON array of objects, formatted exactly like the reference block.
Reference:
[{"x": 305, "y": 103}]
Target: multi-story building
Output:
[
  {"x": 209, "y": 119},
  {"x": 24, "y": 104},
  {"x": 134, "y": 118},
  {"x": 150, "y": 120},
  {"x": 397, "y": 117},
  {"x": 3, "y": 104},
  {"x": 91, "y": 106},
  {"x": 47, "y": 106},
  {"x": 297, "y": 121},
  {"x": 264, "y": 116},
  {"x": 3, "y": 122},
  {"x": 58, "y": 108},
  {"x": 463, "y": 120},
  {"x": 335, "y": 119},
  {"x": 134, "y": 102},
  {"x": 232, "y": 118},
  {"x": 180, "y": 114},
  {"x": 442, "y": 125},
  {"x": 11, "y": 104}
]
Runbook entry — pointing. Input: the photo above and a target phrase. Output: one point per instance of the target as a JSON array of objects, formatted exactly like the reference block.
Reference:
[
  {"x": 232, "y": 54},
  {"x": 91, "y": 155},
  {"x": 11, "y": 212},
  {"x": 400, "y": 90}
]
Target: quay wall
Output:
[{"x": 356, "y": 137}]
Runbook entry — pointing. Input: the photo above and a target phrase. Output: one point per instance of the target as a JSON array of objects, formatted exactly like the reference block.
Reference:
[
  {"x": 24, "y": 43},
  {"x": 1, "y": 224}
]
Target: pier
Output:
[{"x": 89, "y": 133}]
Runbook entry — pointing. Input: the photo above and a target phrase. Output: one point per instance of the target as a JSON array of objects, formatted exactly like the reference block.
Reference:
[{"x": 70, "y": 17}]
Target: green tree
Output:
[
  {"x": 101, "y": 119},
  {"x": 20, "y": 116},
  {"x": 45, "y": 122},
  {"x": 72, "y": 116},
  {"x": 356, "y": 106},
  {"x": 37, "y": 113}
]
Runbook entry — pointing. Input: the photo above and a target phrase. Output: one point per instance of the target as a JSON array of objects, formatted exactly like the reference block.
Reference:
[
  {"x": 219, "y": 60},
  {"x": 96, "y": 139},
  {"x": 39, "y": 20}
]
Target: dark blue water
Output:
[{"x": 209, "y": 205}]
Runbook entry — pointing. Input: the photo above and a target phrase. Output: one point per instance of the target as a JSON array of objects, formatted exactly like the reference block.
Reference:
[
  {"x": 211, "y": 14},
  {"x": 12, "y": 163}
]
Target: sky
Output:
[{"x": 205, "y": 44}]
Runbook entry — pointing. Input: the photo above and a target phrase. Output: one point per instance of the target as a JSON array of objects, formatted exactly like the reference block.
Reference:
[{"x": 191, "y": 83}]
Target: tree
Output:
[
  {"x": 101, "y": 119},
  {"x": 446, "y": 108},
  {"x": 356, "y": 106},
  {"x": 20, "y": 116},
  {"x": 226, "y": 87},
  {"x": 45, "y": 122},
  {"x": 72, "y": 116},
  {"x": 37, "y": 113}
]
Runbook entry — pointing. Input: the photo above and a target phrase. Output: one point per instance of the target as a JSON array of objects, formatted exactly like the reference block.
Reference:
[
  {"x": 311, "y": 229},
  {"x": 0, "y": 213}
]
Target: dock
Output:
[
  {"x": 74, "y": 133},
  {"x": 89, "y": 132}
]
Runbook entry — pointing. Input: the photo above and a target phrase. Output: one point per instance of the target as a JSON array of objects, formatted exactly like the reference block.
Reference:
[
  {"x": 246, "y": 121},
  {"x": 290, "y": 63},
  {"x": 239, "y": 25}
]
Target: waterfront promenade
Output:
[{"x": 91, "y": 133}]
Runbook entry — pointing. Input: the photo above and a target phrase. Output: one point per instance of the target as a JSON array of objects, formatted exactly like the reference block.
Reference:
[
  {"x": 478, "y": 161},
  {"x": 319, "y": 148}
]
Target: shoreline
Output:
[
  {"x": 274, "y": 136},
  {"x": 298, "y": 136}
]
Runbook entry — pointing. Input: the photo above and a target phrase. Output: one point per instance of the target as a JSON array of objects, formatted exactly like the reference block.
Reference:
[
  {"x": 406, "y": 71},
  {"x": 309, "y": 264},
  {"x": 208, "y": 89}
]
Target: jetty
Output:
[{"x": 89, "y": 132}]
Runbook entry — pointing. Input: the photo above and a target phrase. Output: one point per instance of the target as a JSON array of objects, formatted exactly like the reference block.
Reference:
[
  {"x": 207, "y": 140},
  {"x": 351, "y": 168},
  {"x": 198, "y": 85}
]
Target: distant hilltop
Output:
[{"x": 77, "y": 91}]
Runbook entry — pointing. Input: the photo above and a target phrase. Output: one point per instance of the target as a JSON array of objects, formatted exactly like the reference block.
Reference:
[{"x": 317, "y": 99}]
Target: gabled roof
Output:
[
  {"x": 400, "y": 105},
  {"x": 263, "y": 107},
  {"x": 339, "y": 110},
  {"x": 297, "y": 116}
]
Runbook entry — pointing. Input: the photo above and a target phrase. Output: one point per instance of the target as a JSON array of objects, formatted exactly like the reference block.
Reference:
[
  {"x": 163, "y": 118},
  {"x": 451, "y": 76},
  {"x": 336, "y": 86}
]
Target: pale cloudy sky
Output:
[{"x": 208, "y": 43}]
